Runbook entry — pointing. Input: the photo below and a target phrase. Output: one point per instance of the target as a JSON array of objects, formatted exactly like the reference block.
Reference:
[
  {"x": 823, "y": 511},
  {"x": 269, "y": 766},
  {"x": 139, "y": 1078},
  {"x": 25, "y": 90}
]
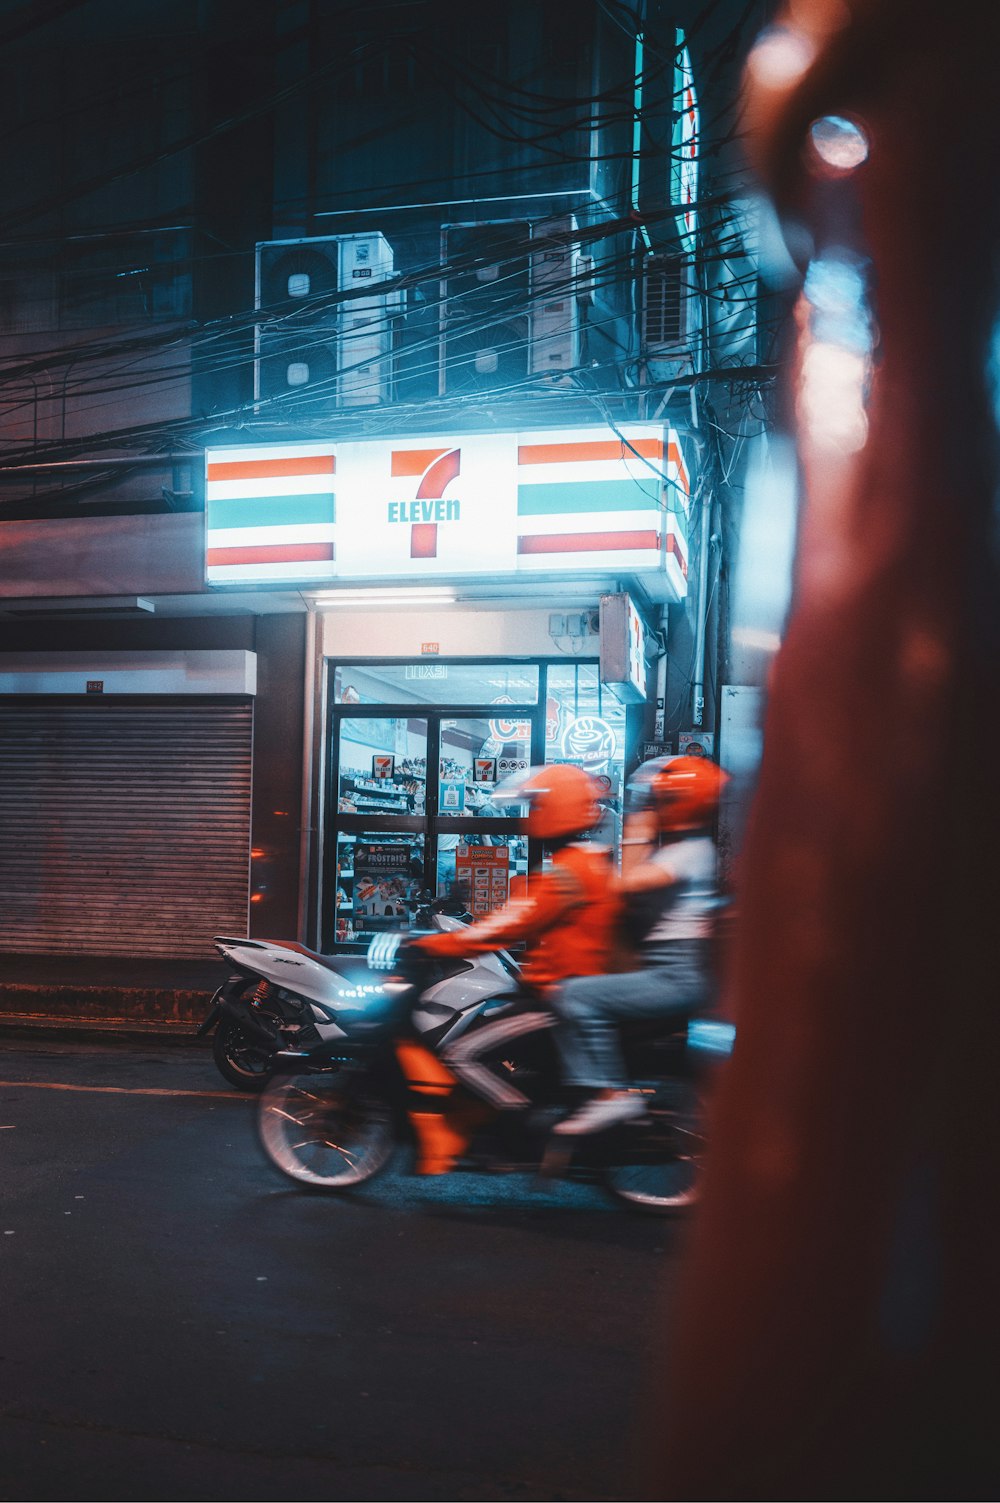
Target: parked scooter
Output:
[
  {"x": 281, "y": 995},
  {"x": 334, "y": 1112}
]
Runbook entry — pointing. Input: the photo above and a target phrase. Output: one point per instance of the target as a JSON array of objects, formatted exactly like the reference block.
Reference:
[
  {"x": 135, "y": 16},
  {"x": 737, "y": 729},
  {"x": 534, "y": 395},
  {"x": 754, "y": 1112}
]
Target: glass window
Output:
[
  {"x": 586, "y": 726},
  {"x": 380, "y": 877},
  {"x": 436, "y": 683},
  {"x": 482, "y": 873},
  {"x": 383, "y": 765},
  {"x": 476, "y": 756}
]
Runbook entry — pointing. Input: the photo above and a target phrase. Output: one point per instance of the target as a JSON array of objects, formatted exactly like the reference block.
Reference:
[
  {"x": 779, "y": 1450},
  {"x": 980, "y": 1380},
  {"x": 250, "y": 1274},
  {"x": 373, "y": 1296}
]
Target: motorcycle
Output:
[
  {"x": 278, "y": 991},
  {"x": 334, "y": 1113}
]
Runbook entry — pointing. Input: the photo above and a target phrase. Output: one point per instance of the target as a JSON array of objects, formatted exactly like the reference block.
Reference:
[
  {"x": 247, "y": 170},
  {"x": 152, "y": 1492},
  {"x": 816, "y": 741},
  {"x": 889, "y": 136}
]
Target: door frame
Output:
[{"x": 432, "y": 824}]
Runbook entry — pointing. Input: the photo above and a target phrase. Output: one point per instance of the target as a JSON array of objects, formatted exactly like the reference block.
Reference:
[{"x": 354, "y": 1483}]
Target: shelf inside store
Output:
[{"x": 368, "y": 795}]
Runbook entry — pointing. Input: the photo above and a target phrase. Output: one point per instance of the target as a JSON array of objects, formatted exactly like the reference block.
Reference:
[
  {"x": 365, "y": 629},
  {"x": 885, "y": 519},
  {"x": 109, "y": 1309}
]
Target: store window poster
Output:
[
  {"x": 386, "y": 877},
  {"x": 453, "y": 797},
  {"x": 482, "y": 873}
]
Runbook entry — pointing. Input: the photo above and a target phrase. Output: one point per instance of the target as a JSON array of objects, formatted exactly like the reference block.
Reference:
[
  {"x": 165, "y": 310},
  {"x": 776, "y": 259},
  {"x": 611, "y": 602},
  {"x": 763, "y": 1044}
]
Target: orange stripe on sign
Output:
[
  {"x": 275, "y": 553},
  {"x": 674, "y": 454},
  {"x": 264, "y": 469},
  {"x": 587, "y": 542},
  {"x": 413, "y": 461},
  {"x": 649, "y": 448}
]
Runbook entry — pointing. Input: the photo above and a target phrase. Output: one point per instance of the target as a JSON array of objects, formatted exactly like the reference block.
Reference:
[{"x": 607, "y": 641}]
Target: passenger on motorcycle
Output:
[
  {"x": 673, "y": 803},
  {"x": 567, "y": 922}
]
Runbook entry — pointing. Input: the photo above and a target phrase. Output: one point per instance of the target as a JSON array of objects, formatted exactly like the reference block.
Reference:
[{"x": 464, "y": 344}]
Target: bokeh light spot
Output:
[
  {"x": 780, "y": 57},
  {"x": 839, "y": 143}
]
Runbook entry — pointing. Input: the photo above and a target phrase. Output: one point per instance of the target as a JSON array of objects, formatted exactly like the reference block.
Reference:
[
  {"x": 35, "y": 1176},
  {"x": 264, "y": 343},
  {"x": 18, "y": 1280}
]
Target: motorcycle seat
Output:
[{"x": 339, "y": 963}]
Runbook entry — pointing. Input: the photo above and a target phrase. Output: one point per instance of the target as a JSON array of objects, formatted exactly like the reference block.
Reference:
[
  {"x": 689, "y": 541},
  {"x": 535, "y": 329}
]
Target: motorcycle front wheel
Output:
[
  {"x": 656, "y": 1163},
  {"x": 240, "y": 1057},
  {"x": 329, "y": 1131}
]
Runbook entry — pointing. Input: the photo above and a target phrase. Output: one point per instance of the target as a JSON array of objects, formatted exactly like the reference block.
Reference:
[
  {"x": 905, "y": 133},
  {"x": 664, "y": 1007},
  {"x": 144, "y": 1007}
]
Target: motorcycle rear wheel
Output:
[
  {"x": 663, "y": 1178},
  {"x": 331, "y": 1132},
  {"x": 240, "y": 1058}
]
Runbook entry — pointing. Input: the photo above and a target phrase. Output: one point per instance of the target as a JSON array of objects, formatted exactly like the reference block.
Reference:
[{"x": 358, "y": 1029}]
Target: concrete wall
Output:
[
  {"x": 395, "y": 633},
  {"x": 143, "y": 555}
]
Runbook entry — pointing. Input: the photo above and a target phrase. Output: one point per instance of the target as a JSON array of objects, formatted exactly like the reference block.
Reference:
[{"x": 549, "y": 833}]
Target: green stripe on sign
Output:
[
  {"x": 587, "y": 495},
  {"x": 270, "y": 511}
]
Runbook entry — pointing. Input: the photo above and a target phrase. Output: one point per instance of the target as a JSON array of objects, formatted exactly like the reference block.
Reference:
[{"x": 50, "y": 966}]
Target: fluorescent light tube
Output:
[{"x": 381, "y": 596}]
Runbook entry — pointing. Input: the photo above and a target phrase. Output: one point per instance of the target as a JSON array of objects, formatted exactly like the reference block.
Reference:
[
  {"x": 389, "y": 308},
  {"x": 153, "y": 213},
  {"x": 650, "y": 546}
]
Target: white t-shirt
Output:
[{"x": 691, "y": 863}]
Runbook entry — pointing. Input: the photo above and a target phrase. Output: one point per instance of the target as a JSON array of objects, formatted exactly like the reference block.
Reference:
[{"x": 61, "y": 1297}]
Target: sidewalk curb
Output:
[
  {"x": 141, "y": 1012},
  {"x": 24, "y": 1027}
]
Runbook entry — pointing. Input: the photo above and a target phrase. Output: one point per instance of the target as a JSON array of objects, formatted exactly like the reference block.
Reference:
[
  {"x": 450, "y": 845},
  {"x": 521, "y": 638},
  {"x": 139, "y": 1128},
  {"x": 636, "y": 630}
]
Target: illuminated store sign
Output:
[
  {"x": 590, "y": 741},
  {"x": 684, "y": 146},
  {"x": 476, "y": 505},
  {"x": 623, "y": 649}
]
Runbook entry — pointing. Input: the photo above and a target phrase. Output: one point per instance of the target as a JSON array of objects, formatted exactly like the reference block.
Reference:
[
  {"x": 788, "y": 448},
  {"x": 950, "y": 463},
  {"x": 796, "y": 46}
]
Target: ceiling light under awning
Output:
[{"x": 384, "y": 596}]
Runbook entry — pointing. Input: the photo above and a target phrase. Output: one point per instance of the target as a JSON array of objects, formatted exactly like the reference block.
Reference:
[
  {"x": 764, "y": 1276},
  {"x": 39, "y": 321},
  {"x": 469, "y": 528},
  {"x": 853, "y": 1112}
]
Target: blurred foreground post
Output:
[{"x": 837, "y": 1334}]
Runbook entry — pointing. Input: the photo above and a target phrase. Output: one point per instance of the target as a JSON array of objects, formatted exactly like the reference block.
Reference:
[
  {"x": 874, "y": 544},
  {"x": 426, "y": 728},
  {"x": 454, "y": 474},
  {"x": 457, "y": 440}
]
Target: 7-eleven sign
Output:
[{"x": 434, "y": 470}]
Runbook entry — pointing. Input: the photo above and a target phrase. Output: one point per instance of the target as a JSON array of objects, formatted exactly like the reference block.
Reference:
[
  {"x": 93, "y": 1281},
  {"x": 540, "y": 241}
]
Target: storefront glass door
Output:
[
  {"x": 381, "y": 780},
  {"x": 415, "y": 815},
  {"x": 411, "y": 783}
]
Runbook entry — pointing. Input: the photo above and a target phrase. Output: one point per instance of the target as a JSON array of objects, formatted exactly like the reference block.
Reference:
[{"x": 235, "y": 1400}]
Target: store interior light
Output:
[{"x": 384, "y": 596}]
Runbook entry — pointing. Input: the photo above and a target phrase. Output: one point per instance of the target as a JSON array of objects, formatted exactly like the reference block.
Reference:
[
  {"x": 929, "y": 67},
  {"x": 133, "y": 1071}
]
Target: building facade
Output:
[{"x": 374, "y": 389}]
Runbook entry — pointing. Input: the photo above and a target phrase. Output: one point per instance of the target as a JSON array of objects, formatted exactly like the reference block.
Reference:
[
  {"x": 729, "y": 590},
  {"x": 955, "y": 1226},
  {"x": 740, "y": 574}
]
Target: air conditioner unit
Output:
[
  {"x": 555, "y": 302},
  {"x": 366, "y": 322},
  {"x": 510, "y": 302},
  {"x": 668, "y": 308},
  {"x": 485, "y": 328},
  {"x": 321, "y": 334}
]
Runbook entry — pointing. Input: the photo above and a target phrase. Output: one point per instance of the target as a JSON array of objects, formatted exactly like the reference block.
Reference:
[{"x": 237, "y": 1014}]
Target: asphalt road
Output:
[{"x": 180, "y": 1322}]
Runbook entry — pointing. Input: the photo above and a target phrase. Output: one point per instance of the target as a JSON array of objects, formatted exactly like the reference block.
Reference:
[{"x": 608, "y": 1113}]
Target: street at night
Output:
[
  {"x": 180, "y": 1322},
  {"x": 499, "y": 624}
]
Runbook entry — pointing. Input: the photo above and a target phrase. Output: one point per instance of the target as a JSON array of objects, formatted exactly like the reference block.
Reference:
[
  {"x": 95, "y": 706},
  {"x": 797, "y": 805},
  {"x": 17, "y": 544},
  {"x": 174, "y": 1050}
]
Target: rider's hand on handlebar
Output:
[
  {"x": 387, "y": 950},
  {"x": 384, "y": 950}
]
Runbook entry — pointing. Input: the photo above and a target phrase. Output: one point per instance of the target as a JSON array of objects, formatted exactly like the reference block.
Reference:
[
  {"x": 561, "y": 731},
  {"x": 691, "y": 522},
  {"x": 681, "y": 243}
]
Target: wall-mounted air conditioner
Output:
[
  {"x": 321, "y": 333},
  {"x": 555, "y": 297},
  {"x": 485, "y": 327},
  {"x": 669, "y": 310},
  {"x": 510, "y": 303}
]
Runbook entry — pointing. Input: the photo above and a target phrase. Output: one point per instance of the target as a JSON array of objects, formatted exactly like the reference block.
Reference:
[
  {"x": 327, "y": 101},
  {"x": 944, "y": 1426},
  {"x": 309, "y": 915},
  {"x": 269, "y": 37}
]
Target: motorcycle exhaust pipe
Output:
[{"x": 249, "y": 1024}]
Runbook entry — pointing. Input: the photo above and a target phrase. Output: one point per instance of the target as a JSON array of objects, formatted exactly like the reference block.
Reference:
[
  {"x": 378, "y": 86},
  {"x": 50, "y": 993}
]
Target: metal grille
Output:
[
  {"x": 124, "y": 826},
  {"x": 664, "y": 301}
]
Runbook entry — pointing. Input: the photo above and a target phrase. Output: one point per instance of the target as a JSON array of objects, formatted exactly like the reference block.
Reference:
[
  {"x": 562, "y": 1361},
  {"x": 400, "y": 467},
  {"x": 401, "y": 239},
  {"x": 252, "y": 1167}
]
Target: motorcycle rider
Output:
[
  {"x": 567, "y": 923},
  {"x": 673, "y": 806}
]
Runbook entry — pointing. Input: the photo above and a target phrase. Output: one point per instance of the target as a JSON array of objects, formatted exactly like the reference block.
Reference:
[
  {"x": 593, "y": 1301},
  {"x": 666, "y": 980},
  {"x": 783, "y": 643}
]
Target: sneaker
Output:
[{"x": 602, "y": 1112}]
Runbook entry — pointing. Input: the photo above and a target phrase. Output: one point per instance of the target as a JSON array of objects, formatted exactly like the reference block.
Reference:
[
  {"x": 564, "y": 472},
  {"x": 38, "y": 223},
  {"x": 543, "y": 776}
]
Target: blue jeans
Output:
[{"x": 589, "y": 1009}]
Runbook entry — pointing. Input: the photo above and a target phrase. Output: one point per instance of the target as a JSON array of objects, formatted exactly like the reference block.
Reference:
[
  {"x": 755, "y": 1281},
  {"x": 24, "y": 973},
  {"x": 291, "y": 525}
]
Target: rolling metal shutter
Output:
[{"x": 124, "y": 825}]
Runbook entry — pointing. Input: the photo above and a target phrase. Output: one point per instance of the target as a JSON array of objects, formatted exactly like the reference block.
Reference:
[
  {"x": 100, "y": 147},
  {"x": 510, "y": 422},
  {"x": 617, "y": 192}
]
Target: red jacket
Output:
[{"x": 566, "y": 922}]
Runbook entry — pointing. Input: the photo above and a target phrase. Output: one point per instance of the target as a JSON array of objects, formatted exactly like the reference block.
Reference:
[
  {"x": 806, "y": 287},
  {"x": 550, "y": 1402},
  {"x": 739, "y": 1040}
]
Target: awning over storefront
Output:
[{"x": 577, "y": 501}]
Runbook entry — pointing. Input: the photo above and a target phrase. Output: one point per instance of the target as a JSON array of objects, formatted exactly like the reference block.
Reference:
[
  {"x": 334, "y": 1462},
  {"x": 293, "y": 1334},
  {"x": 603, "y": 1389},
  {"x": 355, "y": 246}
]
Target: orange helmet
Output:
[
  {"x": 683, "y": 792},
  {"x": 561, "y": 799}
]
